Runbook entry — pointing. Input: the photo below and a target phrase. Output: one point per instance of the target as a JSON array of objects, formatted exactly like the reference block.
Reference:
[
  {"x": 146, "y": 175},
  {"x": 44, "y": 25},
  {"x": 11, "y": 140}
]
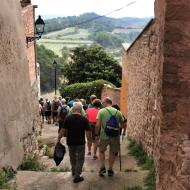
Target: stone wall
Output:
[
  {"x": 142, "y": 74},
  {"x": 174, "y": 147},
  {"x": 156, "y": 69},
  {"x": 113, "y": 93},
  {"x": 17, "y": 113}
]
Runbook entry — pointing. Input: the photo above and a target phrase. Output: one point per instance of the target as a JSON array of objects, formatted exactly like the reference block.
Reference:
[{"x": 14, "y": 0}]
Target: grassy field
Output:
[{"x": 70, "y": 38}]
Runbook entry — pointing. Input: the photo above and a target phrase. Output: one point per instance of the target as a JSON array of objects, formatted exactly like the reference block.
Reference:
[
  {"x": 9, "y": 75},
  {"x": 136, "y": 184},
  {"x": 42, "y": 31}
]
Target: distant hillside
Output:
[{"x": 88, "y": 21}]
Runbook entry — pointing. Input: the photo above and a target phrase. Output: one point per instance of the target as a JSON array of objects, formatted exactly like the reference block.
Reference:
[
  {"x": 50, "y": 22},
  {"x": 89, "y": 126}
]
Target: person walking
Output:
[
  {"x": 47, "y": 108},
  {"x": 91, "y": 114},
  {"x": 92, "y": 98},
  {"x": 74, "y": 128},
  {"x": 62, "y": 111},
  {"x": 111, "y": 139},
  {"x": 54, "y": 108}
]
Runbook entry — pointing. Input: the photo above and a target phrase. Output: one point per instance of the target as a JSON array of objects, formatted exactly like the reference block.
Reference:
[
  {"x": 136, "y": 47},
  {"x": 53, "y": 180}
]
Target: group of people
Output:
[{"x": 79, "y": 121}]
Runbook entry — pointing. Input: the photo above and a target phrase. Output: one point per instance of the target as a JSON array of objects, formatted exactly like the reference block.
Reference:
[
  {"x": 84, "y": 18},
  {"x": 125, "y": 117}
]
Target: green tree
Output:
[
  {"x": 92, "y": 63},
  {"x": 45, "y": 58}
]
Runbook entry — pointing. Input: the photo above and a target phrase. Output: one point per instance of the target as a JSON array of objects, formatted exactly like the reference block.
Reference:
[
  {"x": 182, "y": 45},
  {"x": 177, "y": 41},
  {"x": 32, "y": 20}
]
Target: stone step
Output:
[{"x": 29, "y": 180}]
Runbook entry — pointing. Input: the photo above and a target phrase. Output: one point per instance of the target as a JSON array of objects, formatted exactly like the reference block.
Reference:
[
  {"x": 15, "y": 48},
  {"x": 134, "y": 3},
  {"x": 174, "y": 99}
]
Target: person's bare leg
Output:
[
  {"x": 89, "y": 147},
  {"x": 95, "y": 145},
  {"x": 102, "y": 158},
  {"x": 111, "y": 159}
]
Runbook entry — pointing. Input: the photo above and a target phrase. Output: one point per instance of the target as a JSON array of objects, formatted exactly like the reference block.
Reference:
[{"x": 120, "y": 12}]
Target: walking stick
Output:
[{"x": 120, "y": 154}]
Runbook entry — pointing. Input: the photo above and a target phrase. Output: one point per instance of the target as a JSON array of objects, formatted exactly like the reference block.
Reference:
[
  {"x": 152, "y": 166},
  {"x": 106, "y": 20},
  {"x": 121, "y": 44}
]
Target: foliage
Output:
[
  {"x": 6, "y": 175},
  {"x": 92, "y": 63},
  {"x": 65, "y": 168},
  {"x": 46, "y": 58},
  {"x": 145, "y": 162},
  {"x": 50, "y": 152},
  {"x": 134, "y": 188},
  {"x": 40, "y": 142},
  {"x": 84, "y": 90},
  {"x": 100, "y": 24},
  {"x": 31, "y": 163},
  {"x": 107, "y": 39}
]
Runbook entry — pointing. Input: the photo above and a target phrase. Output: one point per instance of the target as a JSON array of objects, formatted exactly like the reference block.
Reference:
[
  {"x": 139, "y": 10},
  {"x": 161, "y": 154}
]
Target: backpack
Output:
[
  {"x": 63, "y": 112},
  {"x": 55, "y": 106},
  {"x": 112, "y": 126},
  {"x": 48, "y": 106}
]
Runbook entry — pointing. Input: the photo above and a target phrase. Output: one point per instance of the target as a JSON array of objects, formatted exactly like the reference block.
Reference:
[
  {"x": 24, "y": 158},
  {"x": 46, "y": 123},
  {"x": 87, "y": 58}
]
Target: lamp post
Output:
[
  {"x": 39, "y": 30},
  {"x": 55, "y": 67}
]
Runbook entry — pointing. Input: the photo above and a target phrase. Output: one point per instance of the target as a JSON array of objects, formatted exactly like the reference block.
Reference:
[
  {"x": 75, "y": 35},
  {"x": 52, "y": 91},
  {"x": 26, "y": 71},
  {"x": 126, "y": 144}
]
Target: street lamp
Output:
[
  {"x": 55, "y": 67},
  {"x": 39, "y": 30}
]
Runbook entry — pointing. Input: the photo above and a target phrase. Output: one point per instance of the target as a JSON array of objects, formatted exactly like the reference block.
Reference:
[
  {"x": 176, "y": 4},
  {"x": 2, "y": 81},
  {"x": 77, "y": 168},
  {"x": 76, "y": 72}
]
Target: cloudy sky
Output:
[{"x": 52, "y": 8}]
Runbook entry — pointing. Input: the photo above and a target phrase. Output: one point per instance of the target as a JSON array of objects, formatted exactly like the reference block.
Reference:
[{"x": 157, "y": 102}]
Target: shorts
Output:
[
  {"x": 47, "y": 113},
  {"x": 112, "y": 142},
  {"x": 90, "y": 135}
]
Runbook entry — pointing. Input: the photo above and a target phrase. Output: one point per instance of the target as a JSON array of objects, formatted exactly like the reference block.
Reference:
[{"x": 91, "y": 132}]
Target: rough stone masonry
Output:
[
  {"x": 17, "y": 113},
  {"x": 157, "y": 72}
]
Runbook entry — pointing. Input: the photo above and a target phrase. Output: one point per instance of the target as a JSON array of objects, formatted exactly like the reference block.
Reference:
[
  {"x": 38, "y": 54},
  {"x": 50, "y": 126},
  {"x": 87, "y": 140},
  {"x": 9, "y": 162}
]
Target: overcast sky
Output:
[{"x": 51, "y": 8}]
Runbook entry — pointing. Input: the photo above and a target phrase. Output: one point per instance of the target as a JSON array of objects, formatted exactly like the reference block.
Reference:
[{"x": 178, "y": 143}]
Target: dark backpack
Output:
[
  {"x": 112, "y": 126},
  {"x": 63, "y": 112},
  {"x": 48, "y": 106}
]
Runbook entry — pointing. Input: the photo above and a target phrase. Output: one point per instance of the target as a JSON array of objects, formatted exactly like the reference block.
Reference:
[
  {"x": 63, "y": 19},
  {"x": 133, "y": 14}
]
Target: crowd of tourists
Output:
[{"x": 100, "y": 122}]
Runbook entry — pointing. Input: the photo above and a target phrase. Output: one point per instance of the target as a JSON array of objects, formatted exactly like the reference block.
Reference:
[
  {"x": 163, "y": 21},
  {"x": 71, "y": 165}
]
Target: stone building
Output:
[
  {"x": 28, "y": 16},
  {"x": 19, "y": 107},
  {"x": 156, "y": 74}
]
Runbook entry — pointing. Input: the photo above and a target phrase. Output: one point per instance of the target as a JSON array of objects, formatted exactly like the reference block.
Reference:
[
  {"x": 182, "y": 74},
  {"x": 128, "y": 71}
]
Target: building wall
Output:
[
  {"x": 123, "y": 97},
  {"x": 157, "y": 75},
  {"x": 113, "y": 93},
  {"x": 28, "y": 20},
  {"x": 174, "y": 161},
  {"x": 17, "y": 113},
  {"x": 142, "y": 75}
]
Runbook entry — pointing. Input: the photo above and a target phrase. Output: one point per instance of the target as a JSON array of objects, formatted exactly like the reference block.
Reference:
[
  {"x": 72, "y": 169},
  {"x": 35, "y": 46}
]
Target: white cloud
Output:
[{"x": 141, "y": 8}]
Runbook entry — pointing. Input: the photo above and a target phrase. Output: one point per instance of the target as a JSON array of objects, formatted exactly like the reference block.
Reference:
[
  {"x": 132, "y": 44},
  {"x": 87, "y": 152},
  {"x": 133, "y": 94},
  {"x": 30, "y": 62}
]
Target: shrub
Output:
[
  {"x": 84, "y": 90},
  {"x": 5, "y": 176},
  {"x": 31, "y": 163},
  {"x": 40, "y": 142},
  {"x": 50, "y": 152}
]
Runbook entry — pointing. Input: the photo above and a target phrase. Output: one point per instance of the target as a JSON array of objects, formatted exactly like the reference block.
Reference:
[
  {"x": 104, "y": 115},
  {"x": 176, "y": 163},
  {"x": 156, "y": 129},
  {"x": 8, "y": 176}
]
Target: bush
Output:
[
  {"x": 84, "y": 90},
  {"x": 50, "y": 152},
  {"x": 5, "y": 176},
  {"x": 31, "y": 163}
]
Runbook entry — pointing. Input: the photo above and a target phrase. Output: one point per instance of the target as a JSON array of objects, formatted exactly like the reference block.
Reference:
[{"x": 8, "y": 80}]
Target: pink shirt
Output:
[{"x": 91, "y": 114}]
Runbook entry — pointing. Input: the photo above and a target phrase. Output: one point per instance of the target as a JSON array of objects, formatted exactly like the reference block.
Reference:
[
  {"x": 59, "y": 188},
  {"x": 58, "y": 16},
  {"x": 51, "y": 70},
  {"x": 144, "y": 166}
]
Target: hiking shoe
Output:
[
  {"x": 102, "y": 171},
  {"x": 78, "y": 179},
  {"x": 110, "y": 172}
]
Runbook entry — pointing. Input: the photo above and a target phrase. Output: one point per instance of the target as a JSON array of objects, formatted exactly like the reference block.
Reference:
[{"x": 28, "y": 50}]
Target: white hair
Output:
[
  {"x": 63, "y": 101},
  {"x": 77, "y": 106}
]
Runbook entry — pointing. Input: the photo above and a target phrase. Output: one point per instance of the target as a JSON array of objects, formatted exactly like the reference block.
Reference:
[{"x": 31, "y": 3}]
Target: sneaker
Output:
[
  {"x": 78, "y": 179},
  {"x": 110, "y": 172},
  {"x": 102, "y": 171},
  {"x": 95, "y": 157}
]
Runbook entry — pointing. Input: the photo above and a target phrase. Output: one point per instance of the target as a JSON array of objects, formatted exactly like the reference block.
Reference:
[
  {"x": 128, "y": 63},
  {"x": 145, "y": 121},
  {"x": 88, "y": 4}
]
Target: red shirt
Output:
[{"x": 91, "y": 114}]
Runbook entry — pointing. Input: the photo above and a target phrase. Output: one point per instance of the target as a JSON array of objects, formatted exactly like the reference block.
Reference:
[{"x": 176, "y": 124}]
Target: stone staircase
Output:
[{"x": 130, "y": 176}]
